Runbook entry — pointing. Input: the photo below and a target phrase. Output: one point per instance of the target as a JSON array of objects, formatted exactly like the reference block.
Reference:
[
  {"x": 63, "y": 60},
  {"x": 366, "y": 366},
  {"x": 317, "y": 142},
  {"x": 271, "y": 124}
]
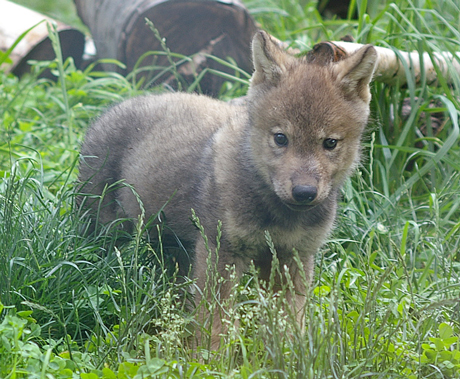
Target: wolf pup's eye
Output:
[
  {"x": 280, "y": 139},
  {"x": 330, "y": 143}
]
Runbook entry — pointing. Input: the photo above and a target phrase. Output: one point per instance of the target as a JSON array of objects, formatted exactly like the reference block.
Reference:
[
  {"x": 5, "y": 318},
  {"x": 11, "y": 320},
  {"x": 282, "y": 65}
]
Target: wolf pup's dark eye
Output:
[
  {"x": 280, "y": 139},
  {"x": 330, "y": 143}
]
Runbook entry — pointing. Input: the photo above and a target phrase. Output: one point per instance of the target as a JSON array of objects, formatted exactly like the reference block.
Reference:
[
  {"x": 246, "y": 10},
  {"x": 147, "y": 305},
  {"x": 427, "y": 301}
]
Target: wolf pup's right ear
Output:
[
  {"x": 269, "y": 59},
  {"x": 355, "y": 72}
]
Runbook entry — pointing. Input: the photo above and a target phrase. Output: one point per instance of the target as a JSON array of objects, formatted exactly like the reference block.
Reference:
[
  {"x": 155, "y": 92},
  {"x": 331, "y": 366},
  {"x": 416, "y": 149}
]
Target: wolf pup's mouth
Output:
[{"x": 299, "y": 207}]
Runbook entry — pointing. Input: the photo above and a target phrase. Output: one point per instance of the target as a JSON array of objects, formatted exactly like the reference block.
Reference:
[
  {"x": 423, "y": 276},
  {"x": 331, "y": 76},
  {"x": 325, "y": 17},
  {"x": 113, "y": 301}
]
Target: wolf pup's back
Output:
[
  {"x": 274, "y": 162},
  {"x": 162, "y": 145}
]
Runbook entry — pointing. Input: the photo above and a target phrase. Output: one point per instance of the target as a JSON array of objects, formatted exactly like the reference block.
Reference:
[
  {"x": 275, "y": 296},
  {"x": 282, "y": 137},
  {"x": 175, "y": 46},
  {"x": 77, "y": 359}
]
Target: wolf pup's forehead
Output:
[{"x": 352, "y": 74}]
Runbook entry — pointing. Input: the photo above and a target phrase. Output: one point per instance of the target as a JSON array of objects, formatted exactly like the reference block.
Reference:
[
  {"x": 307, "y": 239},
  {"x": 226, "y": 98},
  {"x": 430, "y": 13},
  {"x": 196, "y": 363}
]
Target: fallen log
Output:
[
  {"x": 189, "y": 27},
  {"x": 390, "y": 67},
  {"x": 120, "y": 31},
  {"x": 36, "y": 45},
  {"x": 392, "y": 63}
]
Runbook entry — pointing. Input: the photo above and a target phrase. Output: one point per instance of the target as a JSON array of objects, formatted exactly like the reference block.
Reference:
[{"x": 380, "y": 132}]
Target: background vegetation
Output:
[
  {"x": 61, "y": 10},
  {"x": 386, "y": 298}
]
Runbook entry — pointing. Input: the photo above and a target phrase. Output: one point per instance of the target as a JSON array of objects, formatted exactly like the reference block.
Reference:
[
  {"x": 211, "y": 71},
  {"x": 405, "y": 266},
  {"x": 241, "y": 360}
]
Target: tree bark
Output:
[{"x": 119, "y": 31}]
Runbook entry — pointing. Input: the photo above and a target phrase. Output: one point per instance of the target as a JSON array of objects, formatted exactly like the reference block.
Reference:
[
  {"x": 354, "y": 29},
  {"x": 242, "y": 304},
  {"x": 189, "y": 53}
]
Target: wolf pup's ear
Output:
[
  {"x": 269, "y": 59},
  {"x": 355, "y": 72}
]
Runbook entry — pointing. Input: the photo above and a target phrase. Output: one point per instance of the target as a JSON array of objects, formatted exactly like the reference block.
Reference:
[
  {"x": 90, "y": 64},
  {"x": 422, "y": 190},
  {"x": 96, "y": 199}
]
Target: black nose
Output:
[{"x": 304, "y": 194}]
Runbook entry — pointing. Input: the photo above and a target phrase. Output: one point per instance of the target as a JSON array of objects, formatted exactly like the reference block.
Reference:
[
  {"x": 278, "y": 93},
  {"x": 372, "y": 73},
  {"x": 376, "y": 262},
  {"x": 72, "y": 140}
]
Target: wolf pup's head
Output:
[{"x": 307, "y": 120}]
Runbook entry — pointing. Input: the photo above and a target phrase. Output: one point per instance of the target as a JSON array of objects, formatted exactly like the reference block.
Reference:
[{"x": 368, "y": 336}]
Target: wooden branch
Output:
[{"x": 198, "y": 63}]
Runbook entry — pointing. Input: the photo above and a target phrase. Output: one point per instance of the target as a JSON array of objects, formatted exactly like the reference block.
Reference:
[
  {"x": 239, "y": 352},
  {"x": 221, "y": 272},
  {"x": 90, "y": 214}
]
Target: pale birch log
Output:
[
  {"x": 36, "y": 45},
  {"x": 390, "y": 68}
]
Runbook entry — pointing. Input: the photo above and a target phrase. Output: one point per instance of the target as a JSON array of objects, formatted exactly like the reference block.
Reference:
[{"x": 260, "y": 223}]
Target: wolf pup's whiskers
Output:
[{"x": 274, "y": 162}]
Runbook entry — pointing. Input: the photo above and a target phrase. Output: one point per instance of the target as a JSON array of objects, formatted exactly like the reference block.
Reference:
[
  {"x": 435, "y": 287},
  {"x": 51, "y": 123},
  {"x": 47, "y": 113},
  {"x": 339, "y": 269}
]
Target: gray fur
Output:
[{"x": 221, "y": 159}]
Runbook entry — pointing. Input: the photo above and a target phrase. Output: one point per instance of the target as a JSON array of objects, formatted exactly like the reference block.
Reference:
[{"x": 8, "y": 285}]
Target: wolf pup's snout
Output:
[{"x": 304, "y": 194}]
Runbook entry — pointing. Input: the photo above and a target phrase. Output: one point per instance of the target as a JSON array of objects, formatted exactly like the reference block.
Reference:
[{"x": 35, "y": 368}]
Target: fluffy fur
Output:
[{"x": 274, "y": 161}]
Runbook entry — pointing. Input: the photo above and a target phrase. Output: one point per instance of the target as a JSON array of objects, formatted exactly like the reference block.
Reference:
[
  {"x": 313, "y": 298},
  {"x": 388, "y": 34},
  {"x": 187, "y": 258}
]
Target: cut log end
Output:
[
  {"x": 120, "y": 31},
  {"x": 72, "y": 45}
]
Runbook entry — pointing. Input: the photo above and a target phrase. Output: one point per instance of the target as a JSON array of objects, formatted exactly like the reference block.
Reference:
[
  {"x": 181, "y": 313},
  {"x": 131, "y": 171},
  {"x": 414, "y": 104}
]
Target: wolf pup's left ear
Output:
[
  {"x": 269, "y": 59},
  {"x": 355, "y": 72}
]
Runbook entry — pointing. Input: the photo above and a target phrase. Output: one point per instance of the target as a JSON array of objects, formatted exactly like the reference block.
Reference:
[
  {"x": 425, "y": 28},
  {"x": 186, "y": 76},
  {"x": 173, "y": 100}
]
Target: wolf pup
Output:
[{"x": 274, "y": 162}]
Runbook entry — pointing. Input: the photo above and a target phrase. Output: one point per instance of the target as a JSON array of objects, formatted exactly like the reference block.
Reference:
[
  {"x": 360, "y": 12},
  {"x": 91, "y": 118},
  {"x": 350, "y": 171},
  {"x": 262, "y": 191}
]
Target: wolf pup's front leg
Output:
[{"x": 212, "y": 292}]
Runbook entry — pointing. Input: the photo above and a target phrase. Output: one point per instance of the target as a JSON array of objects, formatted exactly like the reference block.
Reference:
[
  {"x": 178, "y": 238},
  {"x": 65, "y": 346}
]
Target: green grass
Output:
[{"x": 385, "y": 303}]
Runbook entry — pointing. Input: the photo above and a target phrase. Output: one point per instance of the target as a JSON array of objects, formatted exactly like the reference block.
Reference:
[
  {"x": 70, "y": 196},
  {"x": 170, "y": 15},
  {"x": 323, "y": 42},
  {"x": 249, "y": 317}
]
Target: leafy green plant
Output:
[
  {"x": 442, "y": 355},
  {"x": 23, "y": 353}
]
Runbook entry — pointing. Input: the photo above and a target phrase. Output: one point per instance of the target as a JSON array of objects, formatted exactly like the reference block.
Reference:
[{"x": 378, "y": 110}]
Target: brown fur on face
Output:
[
  {"x": 272, "y": 162},
  {"x": 309, "y": 104}
]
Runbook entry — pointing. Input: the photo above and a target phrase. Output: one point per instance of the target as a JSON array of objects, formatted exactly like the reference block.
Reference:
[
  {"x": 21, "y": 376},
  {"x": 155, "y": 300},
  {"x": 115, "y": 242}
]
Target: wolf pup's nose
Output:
[{"x": 304, "y": 194}]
